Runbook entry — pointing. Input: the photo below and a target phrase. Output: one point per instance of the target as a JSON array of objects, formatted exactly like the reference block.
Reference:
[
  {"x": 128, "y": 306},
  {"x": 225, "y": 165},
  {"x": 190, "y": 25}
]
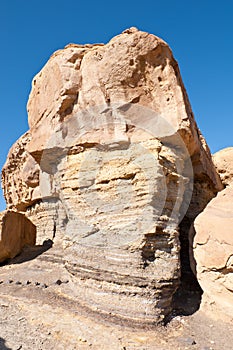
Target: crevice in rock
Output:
[
  {"x": 69, "y": 104},
  {"x": 187, "y": 298}
]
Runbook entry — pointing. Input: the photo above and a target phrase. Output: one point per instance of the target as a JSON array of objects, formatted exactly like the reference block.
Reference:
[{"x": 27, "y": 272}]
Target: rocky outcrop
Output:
[
  {"x": 223, "y": 161},
  {"x": 115, "y": 169},
  {"x": 213, "y": 251},
  {"x": 16, "y": 232},
  {"x": 20, "y": 176},
  {"x": 211, "y": 241}
]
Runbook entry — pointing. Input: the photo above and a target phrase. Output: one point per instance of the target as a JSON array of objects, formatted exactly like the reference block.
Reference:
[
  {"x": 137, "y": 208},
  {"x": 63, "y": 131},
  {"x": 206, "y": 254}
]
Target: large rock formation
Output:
[
  {"x": 213, "y": 242},
  {"x": 115, "y": 169}
]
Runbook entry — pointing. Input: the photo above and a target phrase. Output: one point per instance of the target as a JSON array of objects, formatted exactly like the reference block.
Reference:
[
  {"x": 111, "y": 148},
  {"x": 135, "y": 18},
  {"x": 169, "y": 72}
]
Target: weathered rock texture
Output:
[
  {"x": 223, "y": 161},
  {"x": 212, "y": 237},
  {"x": 108, "y": 169},
  {"x": 213, "y": 251}
]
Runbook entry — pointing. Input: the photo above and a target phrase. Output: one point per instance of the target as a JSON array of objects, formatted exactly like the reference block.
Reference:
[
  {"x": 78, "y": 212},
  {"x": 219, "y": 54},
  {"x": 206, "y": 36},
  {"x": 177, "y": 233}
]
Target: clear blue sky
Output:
[{"x": 200, "y": 34}]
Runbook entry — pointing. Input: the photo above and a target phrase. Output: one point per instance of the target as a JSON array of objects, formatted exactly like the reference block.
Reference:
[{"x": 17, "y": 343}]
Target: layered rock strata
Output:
[{"x": 111, "y": 166}]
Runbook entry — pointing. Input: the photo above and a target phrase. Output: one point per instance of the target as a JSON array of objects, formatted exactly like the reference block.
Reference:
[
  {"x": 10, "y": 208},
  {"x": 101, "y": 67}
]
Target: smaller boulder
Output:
[
  {"x": 212, "y": 238},
  {"x": 17, "y": 231}
]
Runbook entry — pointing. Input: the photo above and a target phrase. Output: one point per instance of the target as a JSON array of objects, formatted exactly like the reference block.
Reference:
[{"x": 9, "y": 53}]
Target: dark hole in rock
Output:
[{"x": 187, "y": 298}]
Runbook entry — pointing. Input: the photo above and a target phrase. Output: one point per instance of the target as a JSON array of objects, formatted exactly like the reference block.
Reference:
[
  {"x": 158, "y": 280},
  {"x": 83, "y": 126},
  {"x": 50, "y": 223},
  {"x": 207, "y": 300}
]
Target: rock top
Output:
[{"x": 223, "y": 161}]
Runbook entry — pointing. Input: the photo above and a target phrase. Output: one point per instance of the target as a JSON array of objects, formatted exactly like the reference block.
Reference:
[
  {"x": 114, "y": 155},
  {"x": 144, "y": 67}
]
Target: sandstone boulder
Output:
[
  {"x": 213, "y": 251},
  {"x": 115, "y": 169},
  {"x": 16, "y": 232},
  {"x": 223, "y": 161}
]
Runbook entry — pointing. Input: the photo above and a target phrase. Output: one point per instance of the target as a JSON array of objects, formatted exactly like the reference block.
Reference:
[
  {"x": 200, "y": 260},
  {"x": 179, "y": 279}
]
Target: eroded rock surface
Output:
[
  {"x": 20, "y": 176},
  {"x": 212, "y": 239},
  {"x": 113, "y": 163},
  {"x": 213, "y": 251}
]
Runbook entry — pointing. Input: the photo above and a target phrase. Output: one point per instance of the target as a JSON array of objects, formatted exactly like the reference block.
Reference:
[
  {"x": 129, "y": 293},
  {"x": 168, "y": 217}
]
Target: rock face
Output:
[
  {"x": 223, "y": 161},
  {"x": 115, "y": 169},
  {"x": 16, "y": 232},
  {"x": 212, "y": 256},
  {"x": 213, "y": 251},
  {"x": 21, "y": 174}
]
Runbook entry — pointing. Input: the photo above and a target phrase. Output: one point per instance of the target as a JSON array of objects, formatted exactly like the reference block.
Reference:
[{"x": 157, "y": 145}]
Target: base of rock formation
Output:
[{"x": 40, "y": 310}]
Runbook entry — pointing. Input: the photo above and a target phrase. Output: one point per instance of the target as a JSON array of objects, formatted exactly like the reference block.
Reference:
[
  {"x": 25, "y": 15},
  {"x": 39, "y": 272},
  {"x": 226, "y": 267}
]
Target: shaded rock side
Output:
[
  {"x": 16, "y": 232},
  {"x": 213, "y": 252},
  {"x": 121, "y": 163}
]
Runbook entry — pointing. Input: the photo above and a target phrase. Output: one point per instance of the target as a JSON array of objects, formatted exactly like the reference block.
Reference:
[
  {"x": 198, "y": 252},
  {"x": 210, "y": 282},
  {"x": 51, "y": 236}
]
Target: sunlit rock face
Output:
[
  {"x": 212, "y": 243},
  {"x": 112, "y": 164}
]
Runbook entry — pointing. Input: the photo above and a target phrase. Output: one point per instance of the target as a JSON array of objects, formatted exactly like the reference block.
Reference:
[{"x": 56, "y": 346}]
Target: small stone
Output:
[
  {"x": 83, "y": 340},
  {"x": 4, "y": 305},
  {"x": 58, "y": 282}
]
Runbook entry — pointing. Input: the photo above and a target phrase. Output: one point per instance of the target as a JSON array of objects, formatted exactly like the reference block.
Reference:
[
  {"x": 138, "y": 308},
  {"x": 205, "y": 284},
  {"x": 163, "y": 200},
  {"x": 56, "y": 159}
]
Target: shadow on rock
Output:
[{"x": 30, "y": 252}]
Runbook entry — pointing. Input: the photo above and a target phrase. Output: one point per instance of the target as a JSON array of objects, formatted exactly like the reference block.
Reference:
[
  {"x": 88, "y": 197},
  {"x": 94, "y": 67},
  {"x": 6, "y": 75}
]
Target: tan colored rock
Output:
[
  {"x": 223, "y": 161},
  {"x": 121, "y": 163},
  {"x": 20, "y": 176},
  {"x": 213, "y": 251},
  {"x": 16, "y": 232},
  {"x": 20, "y": 182}
]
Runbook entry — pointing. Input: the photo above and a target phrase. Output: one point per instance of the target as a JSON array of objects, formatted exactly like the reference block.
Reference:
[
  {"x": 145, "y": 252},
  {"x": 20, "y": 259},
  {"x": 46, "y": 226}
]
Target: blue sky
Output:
[{"x": 200, "y": 34}]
